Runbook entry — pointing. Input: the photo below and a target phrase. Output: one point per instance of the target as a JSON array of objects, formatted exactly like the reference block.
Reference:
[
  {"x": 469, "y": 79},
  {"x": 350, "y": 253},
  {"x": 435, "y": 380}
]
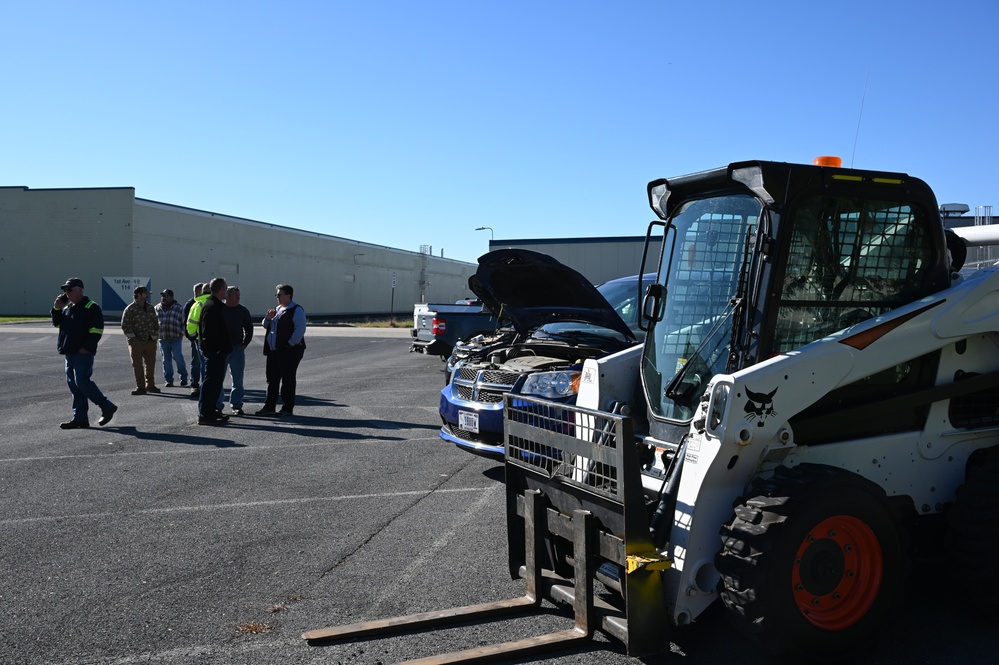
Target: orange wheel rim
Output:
[{"x": 837, "y": 572}]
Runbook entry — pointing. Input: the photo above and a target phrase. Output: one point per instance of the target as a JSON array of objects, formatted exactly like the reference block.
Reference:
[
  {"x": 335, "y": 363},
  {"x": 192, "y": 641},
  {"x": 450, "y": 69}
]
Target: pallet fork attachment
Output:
[{"x": 585, "y": 492}]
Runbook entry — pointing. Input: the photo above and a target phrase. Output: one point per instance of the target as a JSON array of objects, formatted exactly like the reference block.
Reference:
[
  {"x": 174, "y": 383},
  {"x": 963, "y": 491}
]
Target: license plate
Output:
[{"x": 468, "y": 421}]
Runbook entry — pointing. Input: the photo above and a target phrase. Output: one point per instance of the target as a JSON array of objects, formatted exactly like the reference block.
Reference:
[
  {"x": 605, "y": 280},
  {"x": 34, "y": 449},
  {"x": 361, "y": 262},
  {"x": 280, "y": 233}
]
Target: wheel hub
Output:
[
  {"x": 823, "y": 565},
  {"x": 837, "y": 572}
]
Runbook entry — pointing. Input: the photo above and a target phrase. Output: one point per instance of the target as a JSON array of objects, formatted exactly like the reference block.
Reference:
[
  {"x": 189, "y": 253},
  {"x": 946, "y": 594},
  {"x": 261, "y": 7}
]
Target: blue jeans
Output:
[
  {"x": 79, "y": 369},
  {"x": 173, "y": 352},
  {"x": 237, "y": 363},
  {"x": 197, "y": 364}
]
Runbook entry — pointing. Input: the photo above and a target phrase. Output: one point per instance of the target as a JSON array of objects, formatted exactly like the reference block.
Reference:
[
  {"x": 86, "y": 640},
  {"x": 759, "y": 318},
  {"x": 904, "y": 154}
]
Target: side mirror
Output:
[{"x": 654, "y": 302}]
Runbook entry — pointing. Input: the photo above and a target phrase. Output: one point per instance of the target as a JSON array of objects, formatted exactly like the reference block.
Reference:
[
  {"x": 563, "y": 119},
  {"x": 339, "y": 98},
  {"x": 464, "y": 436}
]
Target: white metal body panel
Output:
[
  {"x": 610, "y": 379},
  {"x": 927, "y": 465}
]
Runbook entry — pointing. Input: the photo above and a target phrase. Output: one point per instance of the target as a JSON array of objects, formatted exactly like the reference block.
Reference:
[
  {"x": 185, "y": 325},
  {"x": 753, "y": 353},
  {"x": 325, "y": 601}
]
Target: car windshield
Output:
[
  {"x": 690, "y": 344},
  {"x": 622, "y": 295}
]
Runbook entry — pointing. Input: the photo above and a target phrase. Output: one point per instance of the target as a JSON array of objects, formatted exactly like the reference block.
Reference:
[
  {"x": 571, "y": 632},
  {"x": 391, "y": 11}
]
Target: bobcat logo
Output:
[{"x": 760, "y": 405}]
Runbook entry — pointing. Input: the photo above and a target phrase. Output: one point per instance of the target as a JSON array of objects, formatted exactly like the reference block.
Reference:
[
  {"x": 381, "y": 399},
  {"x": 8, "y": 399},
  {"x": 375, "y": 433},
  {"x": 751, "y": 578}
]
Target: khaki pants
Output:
[{"x": 141, "y": 352}]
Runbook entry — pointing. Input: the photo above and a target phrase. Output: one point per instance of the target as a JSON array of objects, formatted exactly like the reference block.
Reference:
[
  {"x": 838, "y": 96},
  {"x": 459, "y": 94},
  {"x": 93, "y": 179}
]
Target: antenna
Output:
[{"x": 860, "y": 117}]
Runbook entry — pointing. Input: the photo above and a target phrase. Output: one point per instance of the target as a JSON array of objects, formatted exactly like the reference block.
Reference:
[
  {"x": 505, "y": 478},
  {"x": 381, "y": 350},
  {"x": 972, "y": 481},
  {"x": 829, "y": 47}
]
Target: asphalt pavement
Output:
[{"x": 154, "y": 540}]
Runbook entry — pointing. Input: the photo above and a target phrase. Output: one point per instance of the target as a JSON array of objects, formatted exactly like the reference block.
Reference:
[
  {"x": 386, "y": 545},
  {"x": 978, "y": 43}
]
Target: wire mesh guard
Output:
[
  {"x": 977, "y": 409},
  {"x": 580, "y": 447},
  {"x": 850, "y": 260}
]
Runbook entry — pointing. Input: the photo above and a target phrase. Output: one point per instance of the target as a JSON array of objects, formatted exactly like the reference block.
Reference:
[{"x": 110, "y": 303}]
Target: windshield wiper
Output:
[{"x": 673, "y": 390}]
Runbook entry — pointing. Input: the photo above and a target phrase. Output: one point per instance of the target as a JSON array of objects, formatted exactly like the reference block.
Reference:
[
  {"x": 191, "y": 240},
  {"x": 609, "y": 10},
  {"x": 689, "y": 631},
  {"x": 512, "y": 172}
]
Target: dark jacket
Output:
[
  {"x": 80, "y": 326},
  {"x": 213, "y": 332},
  {"x": 285, "y": 328},
  {"x": 240, "y": 325},
  {"x": 187, "y": 311}
]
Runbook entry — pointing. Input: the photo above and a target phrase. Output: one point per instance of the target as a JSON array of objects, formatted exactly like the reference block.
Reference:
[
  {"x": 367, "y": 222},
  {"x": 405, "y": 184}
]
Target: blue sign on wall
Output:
[{"x": 116, "y": 292}]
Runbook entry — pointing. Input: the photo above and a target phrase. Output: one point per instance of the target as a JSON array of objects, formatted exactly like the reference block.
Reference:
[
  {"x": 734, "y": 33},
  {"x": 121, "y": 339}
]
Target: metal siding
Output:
[
  {"x": 51, "y": 235},
  {"x": 328, "y": 275}
]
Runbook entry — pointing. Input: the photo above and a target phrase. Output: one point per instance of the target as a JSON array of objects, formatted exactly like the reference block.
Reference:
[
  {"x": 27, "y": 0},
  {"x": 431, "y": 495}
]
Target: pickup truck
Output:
[{"x": 439, "y": 327}]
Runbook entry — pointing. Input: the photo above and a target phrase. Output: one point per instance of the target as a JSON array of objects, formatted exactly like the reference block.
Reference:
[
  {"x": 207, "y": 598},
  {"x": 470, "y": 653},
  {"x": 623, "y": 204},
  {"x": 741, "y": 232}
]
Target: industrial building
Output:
[
  {"x": 598, "y": 259},
  {"x": 114, "y": 241}
]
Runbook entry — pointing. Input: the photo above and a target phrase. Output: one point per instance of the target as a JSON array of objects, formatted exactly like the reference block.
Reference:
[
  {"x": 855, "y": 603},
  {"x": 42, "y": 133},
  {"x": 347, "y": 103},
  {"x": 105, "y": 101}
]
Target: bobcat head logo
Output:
[{"x": 760, "y": 405}]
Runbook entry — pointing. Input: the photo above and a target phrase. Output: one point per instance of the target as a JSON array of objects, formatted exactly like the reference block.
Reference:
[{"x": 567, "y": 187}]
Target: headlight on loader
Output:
[
  {"x": 717, "y": 407},
  {"x": 552, "y": 384}
]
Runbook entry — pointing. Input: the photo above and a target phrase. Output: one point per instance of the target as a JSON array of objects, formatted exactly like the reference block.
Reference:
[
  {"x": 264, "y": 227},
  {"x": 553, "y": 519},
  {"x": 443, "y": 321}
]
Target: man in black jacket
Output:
[
  {"x": 240, "y": 325},
  {"x": 81, "y": 324},
  {"x": 215, "y": 344}
]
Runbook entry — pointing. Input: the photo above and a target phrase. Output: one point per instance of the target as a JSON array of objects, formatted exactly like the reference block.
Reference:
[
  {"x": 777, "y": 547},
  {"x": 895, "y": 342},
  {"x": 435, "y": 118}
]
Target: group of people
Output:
[{"x": 219, "y": 329}]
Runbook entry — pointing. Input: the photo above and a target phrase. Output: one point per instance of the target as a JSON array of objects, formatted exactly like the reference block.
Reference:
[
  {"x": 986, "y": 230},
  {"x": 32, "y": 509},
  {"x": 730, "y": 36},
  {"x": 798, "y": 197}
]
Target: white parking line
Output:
[
  {"x": 249, "y": 504},
  {"x": 203, "y": 449},
  {"x": 419, "y": 565},
  {"x": 187, "y": 654},
  {"x": 313, "y": 331}
]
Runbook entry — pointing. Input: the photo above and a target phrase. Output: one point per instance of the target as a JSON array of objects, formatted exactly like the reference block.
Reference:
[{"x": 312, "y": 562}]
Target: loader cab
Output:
[{"x": 761, "y": 258}]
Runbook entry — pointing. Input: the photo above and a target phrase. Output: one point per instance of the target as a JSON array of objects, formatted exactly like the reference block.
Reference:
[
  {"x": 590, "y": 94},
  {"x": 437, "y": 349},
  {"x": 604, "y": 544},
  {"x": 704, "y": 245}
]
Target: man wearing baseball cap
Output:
[
  {"x": 141, "y": 327},
  {"x": 81, "y": 324},
  {"x": 172, "y": 324}
]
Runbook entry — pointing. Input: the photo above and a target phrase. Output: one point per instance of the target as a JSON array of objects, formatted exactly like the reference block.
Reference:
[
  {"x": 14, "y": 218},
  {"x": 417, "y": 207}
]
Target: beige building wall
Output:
[
  {"x": 331, "y": 276},
  {"x": 52, "y": 234},
  {"x": 599, "y": 259}
]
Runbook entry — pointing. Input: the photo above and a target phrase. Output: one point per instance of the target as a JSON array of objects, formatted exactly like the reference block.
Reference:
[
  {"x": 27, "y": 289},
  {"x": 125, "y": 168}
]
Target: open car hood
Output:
[{"x": 532, "y": 289}]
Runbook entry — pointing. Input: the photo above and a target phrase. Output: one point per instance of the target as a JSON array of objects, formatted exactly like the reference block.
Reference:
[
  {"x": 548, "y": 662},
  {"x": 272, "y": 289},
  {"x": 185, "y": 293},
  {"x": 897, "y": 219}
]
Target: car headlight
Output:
[{"x": 552, "y": 384}]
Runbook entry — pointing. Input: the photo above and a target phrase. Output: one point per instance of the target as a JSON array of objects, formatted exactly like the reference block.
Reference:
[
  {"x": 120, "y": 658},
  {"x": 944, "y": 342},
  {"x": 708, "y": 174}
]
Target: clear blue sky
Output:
[{"x": 412, "y": 123}]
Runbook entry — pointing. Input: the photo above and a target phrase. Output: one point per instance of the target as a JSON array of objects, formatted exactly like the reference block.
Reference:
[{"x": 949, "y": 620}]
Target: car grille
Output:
[
  {"x": 486, "y": 386},
  {"x": 491, "y": 438}
]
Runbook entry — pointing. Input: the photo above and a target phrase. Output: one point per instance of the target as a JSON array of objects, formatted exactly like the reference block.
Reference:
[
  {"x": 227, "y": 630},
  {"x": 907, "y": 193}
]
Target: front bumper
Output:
[
  {"x": 488, "y": 441},
  {"x": 488, "y": 450}
]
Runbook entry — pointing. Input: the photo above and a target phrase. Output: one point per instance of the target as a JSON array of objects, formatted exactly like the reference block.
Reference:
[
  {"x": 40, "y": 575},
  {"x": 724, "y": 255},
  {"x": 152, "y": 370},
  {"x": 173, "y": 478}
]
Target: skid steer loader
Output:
[{"x": 819, "y": 383}]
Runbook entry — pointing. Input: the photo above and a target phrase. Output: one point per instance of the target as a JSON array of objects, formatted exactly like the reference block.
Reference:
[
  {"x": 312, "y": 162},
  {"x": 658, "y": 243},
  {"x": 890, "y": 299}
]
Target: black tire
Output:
[
  {"x": 812, "y": 563},
  {"x": 972, "y": 540}
]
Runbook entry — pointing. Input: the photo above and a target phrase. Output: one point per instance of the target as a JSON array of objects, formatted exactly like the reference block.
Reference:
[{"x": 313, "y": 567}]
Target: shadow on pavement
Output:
[{"x": 166, "y": 437}]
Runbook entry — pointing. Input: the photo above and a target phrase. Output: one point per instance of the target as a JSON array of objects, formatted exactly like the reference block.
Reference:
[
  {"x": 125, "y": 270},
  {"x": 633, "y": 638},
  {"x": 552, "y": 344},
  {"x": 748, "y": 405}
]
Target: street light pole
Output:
[{"x": 487, "y": 228}]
